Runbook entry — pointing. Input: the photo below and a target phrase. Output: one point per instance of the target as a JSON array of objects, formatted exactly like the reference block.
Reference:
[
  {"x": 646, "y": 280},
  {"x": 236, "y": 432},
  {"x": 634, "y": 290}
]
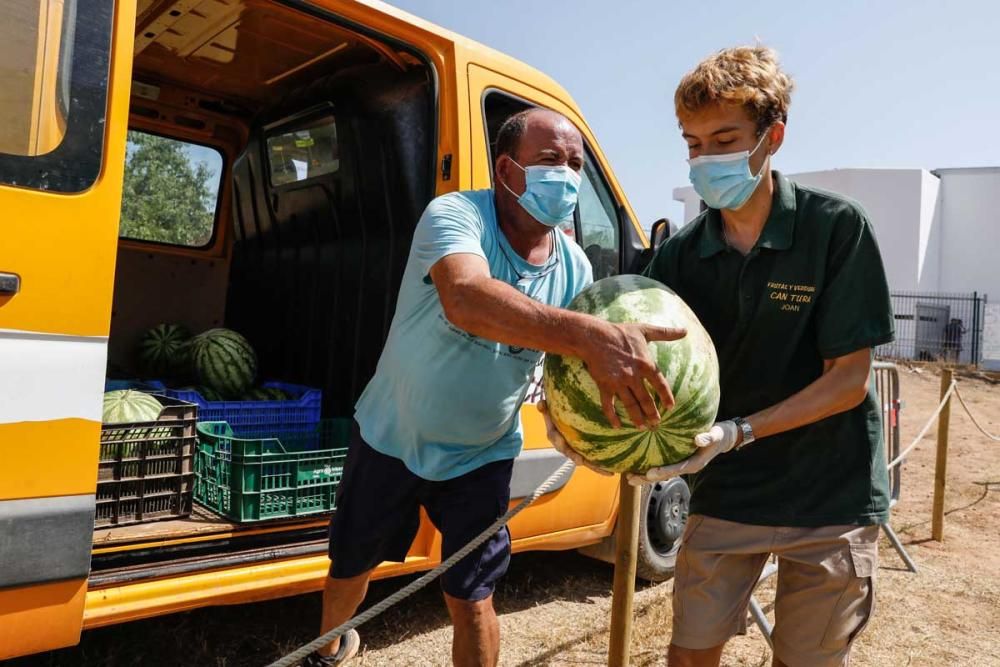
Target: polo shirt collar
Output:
[{"x": 778, "y": 232}]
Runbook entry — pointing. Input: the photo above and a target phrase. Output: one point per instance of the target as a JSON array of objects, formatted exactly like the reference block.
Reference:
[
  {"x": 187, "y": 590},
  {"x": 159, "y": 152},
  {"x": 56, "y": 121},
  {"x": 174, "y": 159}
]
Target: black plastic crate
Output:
[{"x": 146, "y": 469}]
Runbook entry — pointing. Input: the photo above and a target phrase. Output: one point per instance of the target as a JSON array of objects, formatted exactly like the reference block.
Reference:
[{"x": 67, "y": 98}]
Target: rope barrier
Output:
[
  {"x": 973, "y": 418},
  {"x": 916, "y": 441},
  {"x": 301, "y": 653},
  {"x": 953, "y": 389}
]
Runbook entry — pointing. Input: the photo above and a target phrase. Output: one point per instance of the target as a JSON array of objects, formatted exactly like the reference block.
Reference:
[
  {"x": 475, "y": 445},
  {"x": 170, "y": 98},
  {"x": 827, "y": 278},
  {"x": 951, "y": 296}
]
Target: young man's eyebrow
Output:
[{"x": 721, "y": 130}]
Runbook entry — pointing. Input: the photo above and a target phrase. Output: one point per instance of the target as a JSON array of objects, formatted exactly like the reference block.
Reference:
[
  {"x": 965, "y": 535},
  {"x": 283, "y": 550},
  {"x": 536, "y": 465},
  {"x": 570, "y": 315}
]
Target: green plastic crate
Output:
[{"x": 252, "y": 479}]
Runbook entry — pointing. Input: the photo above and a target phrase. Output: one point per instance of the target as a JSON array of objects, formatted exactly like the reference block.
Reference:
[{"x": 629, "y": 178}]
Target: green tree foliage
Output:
[{"x": 166, "y": 197}]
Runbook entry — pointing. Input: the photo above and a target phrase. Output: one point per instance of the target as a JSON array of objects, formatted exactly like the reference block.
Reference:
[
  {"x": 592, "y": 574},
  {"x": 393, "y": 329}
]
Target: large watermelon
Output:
[
  {"x": 127, "y": 406},
  {"x": 224, "y": 361},
  {"x": 162, "y": 350},
  {"x": 689, "y": 364}
]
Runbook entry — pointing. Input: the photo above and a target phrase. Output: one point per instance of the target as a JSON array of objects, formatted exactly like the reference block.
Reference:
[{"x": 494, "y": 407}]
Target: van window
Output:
[
  {"x": 171, "y": 191},
  {"x": 599, "y": 234},
  {"x": 53, "y": 92},
  {"x": 304, "y": 152}
]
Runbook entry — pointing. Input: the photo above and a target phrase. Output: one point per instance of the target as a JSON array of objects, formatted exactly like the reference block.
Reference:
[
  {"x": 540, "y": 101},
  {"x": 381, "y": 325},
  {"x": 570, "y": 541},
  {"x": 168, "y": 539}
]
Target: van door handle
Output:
[{"x": 10, "y": 283}]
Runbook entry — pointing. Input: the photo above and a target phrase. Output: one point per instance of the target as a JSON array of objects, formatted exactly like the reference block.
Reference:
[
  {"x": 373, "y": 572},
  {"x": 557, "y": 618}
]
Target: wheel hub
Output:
[{"x": 667, "y": 514}]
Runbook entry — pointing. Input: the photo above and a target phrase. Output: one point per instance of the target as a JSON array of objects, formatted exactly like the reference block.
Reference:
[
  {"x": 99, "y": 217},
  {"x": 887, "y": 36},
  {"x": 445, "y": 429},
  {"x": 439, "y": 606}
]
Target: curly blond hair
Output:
[{"x": 745, "y": 75}]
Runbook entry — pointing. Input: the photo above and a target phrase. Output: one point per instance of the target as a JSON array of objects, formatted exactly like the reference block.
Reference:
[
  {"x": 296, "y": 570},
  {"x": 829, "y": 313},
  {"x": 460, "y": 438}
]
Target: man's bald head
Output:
[
  {"x": 532, "y": 138},
  {"x": 539, "y": 126}
]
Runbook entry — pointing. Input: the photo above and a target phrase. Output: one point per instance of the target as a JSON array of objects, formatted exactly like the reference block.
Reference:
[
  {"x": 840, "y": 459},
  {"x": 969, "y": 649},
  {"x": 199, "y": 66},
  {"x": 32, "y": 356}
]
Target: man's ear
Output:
[
  {"x": 501, "y": 166},
  {"x": 776, "y": 138},
  {"x": 501, "y": 169}
]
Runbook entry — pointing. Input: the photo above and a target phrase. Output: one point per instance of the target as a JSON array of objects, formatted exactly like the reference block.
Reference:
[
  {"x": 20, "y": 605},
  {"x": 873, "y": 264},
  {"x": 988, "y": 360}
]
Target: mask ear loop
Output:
[
  {"x": 755, "y": 149},
  {"x": 517, "y": 196}
]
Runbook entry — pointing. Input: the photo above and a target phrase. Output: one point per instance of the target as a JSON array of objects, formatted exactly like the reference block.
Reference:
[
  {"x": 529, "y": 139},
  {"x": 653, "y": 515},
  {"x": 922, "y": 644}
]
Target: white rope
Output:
[
  {"x": 916, "y": 441},
  {"x": 973, "y": 418},
  {"x": 300, "y": 654}
]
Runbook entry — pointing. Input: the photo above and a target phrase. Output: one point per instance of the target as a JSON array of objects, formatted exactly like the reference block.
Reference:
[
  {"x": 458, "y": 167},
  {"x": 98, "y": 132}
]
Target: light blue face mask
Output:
[
  {"x": 725, "y": 181},
  {"x": 550, "y": 193}
]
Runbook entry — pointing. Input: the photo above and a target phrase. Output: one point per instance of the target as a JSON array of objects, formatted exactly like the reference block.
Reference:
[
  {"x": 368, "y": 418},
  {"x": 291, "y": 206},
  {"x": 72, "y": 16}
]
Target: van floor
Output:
[{"x": 202, "y": 523}]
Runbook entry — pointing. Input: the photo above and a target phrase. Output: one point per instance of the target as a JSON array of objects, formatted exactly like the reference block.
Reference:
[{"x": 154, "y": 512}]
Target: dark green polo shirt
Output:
[{"x": 812, "y": 288}]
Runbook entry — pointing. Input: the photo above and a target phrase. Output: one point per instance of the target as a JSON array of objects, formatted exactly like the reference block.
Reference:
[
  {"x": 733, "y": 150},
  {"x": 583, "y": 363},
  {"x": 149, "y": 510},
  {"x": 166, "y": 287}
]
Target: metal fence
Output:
[
  {"x": 887, "y": 385},
  {"x": 933, "y": 326}
]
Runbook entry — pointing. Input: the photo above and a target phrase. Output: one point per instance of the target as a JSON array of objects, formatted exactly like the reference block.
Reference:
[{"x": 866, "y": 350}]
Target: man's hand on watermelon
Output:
[
  {"x": 617, "y": 357},
  {"x": 717, "y": 440},
  {"x": 563, "y": 447}
]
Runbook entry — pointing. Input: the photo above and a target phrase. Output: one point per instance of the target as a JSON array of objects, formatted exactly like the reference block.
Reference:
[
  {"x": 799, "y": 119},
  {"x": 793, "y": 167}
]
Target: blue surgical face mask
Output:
[
  {"x": 550, "y": 193},
  {"x": 725, "y": 181}
]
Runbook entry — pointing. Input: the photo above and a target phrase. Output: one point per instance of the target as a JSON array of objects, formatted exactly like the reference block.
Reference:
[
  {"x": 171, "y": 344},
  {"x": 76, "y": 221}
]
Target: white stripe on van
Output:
[{"x": 48, "y": 376}]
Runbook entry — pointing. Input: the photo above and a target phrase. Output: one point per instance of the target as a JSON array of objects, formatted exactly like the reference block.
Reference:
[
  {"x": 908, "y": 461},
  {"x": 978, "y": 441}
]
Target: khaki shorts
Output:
[{"x": 825, "y": 594}]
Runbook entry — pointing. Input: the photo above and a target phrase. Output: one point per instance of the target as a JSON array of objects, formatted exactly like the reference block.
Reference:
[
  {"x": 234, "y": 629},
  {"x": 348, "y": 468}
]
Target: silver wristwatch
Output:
[{"x": 747, "y": 431}]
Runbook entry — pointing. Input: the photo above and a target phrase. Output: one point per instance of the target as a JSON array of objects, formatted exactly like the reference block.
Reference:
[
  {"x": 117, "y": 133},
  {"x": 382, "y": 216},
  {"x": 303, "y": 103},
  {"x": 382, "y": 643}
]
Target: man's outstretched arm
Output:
[{"x": 616, "y": 355}]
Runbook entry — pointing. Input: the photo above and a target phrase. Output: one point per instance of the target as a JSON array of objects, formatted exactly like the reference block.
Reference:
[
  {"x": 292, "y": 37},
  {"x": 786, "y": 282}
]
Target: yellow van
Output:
[{"x": 275, "y": 156}]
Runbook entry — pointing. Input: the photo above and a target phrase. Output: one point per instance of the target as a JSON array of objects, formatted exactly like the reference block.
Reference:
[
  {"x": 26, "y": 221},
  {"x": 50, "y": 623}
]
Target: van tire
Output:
[{"x": 663, "y": 513}]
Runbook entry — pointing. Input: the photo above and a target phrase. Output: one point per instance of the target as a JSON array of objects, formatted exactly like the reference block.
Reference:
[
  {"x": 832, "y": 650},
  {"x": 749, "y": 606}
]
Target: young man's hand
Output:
[
  {"x": 563, "y": 447},
  {"x": 618, "y": 359},
  {"x": 717, "y": 440}
]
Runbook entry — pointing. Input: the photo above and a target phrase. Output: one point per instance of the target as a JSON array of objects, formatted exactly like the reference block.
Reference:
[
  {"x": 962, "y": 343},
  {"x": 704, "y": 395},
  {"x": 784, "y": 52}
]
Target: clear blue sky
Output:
[{"x": 882, "y": 83}]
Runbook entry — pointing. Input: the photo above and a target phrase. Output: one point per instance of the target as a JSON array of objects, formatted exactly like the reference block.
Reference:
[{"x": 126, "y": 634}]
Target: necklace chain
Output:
[{"x": 533, "y": 279}]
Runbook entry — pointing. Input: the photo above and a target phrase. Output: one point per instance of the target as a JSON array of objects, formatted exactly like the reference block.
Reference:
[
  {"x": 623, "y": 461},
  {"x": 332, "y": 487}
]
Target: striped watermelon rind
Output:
[
  {"x": 267, "y": 394},
  {"x": 223, "y": 360},
  {"x": 127, "y": 406},
  {"x": 690, "y": 365},
  {"x": 277, "y": 394},
  {"x": 162, "y": 350},
  {"x": 259, "y": 394}
]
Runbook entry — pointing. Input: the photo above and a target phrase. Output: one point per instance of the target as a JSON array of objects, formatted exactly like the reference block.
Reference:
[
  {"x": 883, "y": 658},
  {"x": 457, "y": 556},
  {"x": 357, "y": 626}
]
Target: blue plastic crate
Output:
[
  {"x": 138, "y": 385},
  {"x": 261, "y": 418}
]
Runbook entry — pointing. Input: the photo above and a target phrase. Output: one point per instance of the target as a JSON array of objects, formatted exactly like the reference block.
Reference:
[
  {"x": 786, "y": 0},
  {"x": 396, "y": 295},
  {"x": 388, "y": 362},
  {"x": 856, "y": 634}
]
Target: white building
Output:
[{"x": 939, "y": 232}]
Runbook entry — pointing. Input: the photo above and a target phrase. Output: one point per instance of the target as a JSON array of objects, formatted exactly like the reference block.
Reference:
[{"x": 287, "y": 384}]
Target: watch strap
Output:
[{"x": 747, "y": 432}]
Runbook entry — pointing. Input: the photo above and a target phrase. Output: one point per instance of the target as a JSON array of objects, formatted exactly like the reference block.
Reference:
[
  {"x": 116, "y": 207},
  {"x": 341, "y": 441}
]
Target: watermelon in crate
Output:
[
  {"x": 690, "y": 365},
  {"x": 223, "y": 360},
  {"x": 146, "y": 466},
  {"x": 127, "y": 406},
  {"x": 163, "y": 351}
]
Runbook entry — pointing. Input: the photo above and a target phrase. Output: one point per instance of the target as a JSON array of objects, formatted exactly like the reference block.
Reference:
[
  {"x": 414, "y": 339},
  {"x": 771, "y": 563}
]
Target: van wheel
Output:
[{"x": 663, "y": 512}]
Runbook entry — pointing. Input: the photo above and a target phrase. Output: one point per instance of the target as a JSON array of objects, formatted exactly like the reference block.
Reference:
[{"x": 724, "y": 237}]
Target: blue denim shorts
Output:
[{"x": 378, "y": 514}]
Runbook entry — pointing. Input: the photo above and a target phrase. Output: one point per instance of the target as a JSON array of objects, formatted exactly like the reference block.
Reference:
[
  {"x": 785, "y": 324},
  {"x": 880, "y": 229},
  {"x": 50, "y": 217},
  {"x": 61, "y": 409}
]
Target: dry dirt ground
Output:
[{"x": 554, "y": 607}]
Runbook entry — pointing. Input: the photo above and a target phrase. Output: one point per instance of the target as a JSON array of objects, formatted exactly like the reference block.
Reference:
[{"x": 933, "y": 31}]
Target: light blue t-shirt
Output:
[{"x": 443, "y": 401}]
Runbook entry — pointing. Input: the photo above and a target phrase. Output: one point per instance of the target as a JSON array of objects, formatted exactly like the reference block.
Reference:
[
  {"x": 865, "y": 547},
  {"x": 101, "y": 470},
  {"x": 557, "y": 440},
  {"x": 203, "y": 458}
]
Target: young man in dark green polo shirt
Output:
[{"x": 789, "y": 282}]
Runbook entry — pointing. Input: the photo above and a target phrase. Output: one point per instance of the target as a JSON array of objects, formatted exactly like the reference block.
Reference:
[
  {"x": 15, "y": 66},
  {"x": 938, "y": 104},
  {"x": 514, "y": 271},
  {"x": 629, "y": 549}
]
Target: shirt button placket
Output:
[{"x": 746, "y": 298}]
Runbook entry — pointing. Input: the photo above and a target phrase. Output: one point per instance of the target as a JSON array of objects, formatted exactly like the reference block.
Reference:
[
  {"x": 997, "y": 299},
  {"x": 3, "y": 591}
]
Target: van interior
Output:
[{"x": 303, "y": 152}]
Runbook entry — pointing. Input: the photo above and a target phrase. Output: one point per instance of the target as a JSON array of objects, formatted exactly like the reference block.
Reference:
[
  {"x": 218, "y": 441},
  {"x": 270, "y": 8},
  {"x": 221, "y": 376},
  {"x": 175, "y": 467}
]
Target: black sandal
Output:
[{"x": 350, "y": 643}]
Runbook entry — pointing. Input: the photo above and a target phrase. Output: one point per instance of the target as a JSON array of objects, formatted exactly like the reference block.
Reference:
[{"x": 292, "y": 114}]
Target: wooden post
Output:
[
  {"x": 941, "y": 467},
  {"x": 626, "y": 550}
]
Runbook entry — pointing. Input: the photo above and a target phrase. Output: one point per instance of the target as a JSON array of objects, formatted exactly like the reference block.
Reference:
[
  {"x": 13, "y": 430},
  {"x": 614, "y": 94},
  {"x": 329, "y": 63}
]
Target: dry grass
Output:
[{"x": 555, "y": 607}]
